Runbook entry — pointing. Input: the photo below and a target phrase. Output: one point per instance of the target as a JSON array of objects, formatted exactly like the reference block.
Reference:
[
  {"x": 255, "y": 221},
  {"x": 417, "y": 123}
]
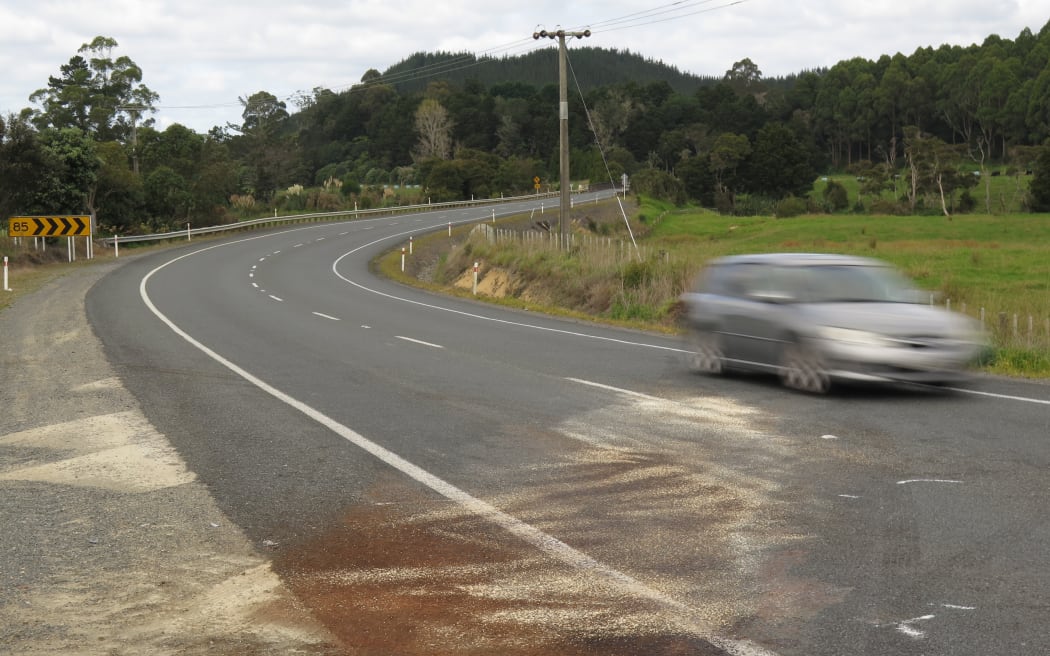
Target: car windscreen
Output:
[{"x": 854, "y": 284}]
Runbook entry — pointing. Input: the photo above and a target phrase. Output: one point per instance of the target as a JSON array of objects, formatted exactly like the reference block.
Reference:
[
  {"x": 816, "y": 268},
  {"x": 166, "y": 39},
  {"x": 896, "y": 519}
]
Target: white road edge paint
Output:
[
  {"x": 419, "y": 341},
  {"x": 543, "y": 542},
  {"x": 926, "y": 480},
  {"x": 326, "y": 316},
  {"x": 1007, "y": 397}
]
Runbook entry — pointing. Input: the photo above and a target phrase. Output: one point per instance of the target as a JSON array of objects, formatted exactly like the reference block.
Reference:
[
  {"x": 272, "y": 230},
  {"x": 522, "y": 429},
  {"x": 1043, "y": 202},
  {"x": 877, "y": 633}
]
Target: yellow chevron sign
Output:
[{"x": 49, "y": 226}]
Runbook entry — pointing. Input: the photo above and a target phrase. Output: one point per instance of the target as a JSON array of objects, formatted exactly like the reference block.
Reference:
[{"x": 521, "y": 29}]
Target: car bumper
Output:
[{"x": 941, "y": 363}]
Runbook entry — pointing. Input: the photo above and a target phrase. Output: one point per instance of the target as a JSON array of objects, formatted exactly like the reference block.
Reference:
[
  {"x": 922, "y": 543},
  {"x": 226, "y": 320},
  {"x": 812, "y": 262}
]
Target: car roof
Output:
[{"x": 799, "y": 259}]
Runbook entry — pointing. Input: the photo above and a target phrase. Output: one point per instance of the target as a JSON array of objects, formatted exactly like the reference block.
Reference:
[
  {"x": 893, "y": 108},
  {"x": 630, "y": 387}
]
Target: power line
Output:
[{"x": 659, "y": 14}]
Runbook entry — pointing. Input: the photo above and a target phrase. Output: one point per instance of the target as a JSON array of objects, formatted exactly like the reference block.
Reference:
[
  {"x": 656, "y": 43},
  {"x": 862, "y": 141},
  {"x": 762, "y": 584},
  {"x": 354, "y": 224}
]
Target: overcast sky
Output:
[{"x": 202, "y": 56}]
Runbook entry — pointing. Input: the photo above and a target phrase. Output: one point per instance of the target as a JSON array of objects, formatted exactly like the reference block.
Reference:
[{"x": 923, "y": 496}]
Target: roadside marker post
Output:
[
  {"x": 410, "y": 244},
  {"x": 402, "y": 259},
  {"x": 116, "y": 245},
  {"x": 6, "y": 288},
  {"x": 475, "y": 278}
]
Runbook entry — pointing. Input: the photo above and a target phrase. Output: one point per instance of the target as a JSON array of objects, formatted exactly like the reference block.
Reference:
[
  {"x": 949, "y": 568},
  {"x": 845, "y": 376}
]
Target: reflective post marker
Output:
[
  {"x": 402, "y": 259},
  {"x": 116, "y": 245},
  {"x": 475, "y": 278},
  {"x": 6, "y": 288}
]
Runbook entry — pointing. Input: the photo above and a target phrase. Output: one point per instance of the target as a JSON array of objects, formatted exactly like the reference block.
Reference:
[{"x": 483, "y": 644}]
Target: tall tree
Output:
[
  {"x": 96, "y": 93},
  {"x": 435, "y": 131}
]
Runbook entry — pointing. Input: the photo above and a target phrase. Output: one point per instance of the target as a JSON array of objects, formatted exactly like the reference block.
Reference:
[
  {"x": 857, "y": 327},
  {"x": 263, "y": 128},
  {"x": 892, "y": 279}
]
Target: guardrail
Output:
[{"x": 189, "y": 233}]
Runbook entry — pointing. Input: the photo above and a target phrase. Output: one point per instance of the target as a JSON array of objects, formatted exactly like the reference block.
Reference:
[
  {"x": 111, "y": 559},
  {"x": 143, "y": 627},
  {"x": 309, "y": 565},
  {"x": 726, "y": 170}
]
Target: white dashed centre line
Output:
[
  {"x": 416, "y": 341},
  {"x": 325, "y": 316},
  {"x": 276, "y": 299}
]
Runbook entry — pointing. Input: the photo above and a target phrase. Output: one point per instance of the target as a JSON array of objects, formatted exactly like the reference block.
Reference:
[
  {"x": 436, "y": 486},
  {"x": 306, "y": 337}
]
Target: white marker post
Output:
[
  {"x": 475, "y": 278},
  {"x": 410, "y": 244},
  {"x": 6, "y": 288},
  {"x": 449, "y": 228},
  {"x": 402, "y": 259},
  {"x": 189, "y": 235},
  {"x": 116, "y": 245},
  {"x": 493, "y": 215}
]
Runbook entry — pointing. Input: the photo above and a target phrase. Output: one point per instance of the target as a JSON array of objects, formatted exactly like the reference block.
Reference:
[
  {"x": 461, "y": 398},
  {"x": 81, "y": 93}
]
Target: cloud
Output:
[{"x": 207, "y": 55}]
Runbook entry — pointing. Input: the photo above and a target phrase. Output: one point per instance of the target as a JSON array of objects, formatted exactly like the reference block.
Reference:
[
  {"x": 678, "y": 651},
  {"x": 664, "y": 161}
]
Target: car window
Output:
[{"x": 843, "y": 284}]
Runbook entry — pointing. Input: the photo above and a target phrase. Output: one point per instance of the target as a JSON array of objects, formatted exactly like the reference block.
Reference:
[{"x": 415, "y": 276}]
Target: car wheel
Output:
[
  {"x": 802, "y": 369},
  {"x": 706, "y": 355}
]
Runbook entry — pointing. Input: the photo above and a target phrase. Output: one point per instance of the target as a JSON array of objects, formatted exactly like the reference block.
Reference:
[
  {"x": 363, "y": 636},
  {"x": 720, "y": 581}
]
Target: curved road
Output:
[{"x": 434, "y": 475}]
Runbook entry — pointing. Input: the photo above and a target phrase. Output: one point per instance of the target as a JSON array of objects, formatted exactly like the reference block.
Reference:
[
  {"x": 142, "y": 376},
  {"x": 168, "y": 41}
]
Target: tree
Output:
[
  {"x": 117, "y": 194},
  {"x": 435, "y": 131},
  {"x": 1039, "y": 187},
  {"x": 24, "y": 167},
  {"x": 744, "y": 77},
  {"x": 780, "y": 165},
  {"x": 263, "y": 114},
  {"x": 70, "y": 183},
  {"x": 932, "y": 167},
  {"x": 96, "y": 94},
  {"x": 727, "y": 153}
]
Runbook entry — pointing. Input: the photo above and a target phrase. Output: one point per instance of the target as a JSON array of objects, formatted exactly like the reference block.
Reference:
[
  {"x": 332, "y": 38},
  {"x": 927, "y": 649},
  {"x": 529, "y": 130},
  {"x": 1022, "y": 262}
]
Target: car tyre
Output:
[
  {"x": 706, "y": 355},
  {"x": 802, "y": 369}
]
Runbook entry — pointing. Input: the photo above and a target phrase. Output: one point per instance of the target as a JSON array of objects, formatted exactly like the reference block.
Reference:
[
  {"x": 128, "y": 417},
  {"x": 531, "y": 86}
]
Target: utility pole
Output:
[{"x": 563, "y": 122}]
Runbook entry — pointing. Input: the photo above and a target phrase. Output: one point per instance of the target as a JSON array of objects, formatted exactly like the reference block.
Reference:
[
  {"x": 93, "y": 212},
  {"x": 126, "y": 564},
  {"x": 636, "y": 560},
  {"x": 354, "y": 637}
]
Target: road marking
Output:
[
  {"x": 927, "y": 480},
  {"x": 907, "y": 629},
  {"x": 255, "y": 285},
  {"x": 506, "y": 322},
  {"x": 325, "y": 316},
  {"x": 276, "y": 299},
  {"x": 1007, "y": 397},
  {"x": 954, "y": 607},
  {"x": 619, "y": 390},
  {"x": 849, "y": 496},
  {"x": 417, "y": 341},
  {"x": 531, "y": 535},
  {"x": 829, "y": 437}
]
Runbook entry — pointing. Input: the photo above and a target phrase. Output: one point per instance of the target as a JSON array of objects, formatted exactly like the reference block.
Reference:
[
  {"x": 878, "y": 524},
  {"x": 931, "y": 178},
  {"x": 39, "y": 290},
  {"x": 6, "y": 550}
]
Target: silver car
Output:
[{"x": 814, "y": 319}]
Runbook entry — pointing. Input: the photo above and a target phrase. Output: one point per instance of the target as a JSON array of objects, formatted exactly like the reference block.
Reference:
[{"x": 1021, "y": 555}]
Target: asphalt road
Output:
[{"x": 437, "y": 475}]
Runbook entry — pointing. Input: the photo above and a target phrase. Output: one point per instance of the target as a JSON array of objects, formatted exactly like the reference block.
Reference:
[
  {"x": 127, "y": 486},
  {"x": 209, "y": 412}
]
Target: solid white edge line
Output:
[
  {"x": 543, "y": 542},
  {"x": 507, "y": 322},
  {"x": 1007, "y": 397},
  {"x": 419, "y": 341}
]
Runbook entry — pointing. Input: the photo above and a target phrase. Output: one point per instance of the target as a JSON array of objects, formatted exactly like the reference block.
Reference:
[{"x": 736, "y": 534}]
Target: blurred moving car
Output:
[{"x": 815, "y": 319}]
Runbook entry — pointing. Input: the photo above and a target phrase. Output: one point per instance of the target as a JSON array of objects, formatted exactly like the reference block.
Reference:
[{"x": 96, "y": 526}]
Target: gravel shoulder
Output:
[{"x": 110, "y": 545}]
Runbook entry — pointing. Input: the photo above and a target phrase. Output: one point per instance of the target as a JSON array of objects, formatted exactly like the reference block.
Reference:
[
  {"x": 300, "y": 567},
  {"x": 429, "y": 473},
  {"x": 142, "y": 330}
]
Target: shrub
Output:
[
  {"x": 789, "y": 207},
  {"x": 835, "y": 197}
]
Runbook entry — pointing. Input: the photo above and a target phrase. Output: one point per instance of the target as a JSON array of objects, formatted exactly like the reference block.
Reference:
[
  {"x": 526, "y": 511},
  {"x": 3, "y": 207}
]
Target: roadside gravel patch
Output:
[{"x": 109, "y": 543}]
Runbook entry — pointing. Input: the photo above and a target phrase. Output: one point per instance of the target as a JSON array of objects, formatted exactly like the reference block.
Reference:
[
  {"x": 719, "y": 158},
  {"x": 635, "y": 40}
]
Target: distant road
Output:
[{"x": 495, "y": 481}]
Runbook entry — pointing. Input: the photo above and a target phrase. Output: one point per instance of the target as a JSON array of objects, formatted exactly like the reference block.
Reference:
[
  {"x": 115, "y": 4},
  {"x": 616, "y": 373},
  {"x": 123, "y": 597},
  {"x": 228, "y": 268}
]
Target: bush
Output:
[
  {"x": 835, "y": 197},
  {"x": 789, "y": 207}
]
